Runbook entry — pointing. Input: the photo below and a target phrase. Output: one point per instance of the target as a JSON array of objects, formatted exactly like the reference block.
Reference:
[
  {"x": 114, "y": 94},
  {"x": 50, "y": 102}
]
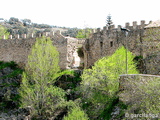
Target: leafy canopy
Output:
[
  {"x": 100, "y": 84},
  {"x": 37, "y": 89},
  {"x": 3, "y": 31},
  {"x": 105, "y": 72},
  {"x": 83, "y": 33},
  {"x": 75, "y": 112}
]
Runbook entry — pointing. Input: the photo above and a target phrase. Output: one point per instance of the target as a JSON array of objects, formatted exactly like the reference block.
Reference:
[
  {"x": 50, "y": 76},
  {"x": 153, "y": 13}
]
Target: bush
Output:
[
  {"x": 75, "y": 113},
  {"x": 37, "y": 89},
  {"x": 100, "y": 84},
  {"x": 10, "y": 82}
]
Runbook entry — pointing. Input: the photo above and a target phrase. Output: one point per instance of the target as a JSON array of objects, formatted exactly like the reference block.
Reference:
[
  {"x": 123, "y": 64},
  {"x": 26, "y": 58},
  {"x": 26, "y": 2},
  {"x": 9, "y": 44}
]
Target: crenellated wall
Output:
[
  {"x": 104, "y": 43},
  {"x": 17, "y": 48}
]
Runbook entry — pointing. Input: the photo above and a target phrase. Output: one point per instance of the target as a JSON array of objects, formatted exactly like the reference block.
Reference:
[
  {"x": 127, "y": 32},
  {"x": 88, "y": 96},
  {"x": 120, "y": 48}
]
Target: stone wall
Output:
[
  {"x": 72, "y": 45},
  {"x": 140, "y": 92},
  {"x": 105, "y": 42},
  {"x": 17, "y": 49}
]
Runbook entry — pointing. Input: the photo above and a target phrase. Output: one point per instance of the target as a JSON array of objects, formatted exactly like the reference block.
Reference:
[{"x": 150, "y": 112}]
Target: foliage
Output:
[
  {"x": 10, "y": 98},
  {"x": 150, "y": 96},
  {"x": 41, "y": 25},
  {"x": 100, "y": 84},
  {"x": 11, "y": 64},
  {"x": 13, "y": 74},
  {"x": 26, "y": 26},
  {"x": 44, "y": 60},
  {"x": 69, "y": 80},
  {"x": 109, "y": 20},
  {"x": 16, "y": 71},
  {"x": 106, "y": 71},
  {"x": 3, "y": 31},
  {"x": 106, "y": 114},
  {"x": 37, "y": 88},
  {"x": 22, "y": 30},
  {"x": 151, "y": 48},
  {"x": 72, "y": 32},
  {"x": 13, "y": 20},
  {"x": 84, "y": 33},
  {"x": 76, "y": 113},
  {"x": 141, "y": 95},
  {"x": 26, "y": 22}
]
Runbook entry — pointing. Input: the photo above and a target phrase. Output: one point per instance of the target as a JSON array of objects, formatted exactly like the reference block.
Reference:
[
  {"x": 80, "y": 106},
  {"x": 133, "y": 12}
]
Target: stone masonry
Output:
[
  {"x": 139, "y": 41},
  {"x": 140, "y": 92},
  {"x": 17, "y": 49}
]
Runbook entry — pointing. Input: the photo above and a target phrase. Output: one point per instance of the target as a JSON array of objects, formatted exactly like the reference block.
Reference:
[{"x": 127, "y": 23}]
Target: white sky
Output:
[{"x": 81, "y": 13}]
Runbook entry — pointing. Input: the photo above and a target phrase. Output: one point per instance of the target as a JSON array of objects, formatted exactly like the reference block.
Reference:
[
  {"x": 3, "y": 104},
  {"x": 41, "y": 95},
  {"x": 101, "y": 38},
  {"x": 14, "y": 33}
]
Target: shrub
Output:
[
  {"x": 75, "y": 113},
  {"x": 37, "y": 89},
  {"x": 100, "y": 84}
]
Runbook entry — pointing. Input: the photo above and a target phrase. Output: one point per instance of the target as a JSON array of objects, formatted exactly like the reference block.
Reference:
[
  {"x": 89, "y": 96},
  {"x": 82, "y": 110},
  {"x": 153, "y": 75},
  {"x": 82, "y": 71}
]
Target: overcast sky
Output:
[{"x": 81, "y": 13}]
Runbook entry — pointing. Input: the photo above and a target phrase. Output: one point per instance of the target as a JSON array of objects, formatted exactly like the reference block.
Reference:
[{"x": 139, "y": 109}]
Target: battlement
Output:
[
  {"x": 32, "y": 35},
  {"x": 18, "y": 47},
  {"x": 104, "y": 42},
  {"x": 134, "y": 26}
]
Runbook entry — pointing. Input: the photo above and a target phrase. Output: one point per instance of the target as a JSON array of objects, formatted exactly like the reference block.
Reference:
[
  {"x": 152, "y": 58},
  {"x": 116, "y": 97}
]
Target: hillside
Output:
[{"x": 26, "y": 26}]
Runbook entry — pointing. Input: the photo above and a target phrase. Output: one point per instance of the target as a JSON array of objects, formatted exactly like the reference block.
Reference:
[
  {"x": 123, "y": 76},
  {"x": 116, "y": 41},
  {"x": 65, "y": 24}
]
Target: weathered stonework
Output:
[
  {"x": 17, "y": 49},
  {"x": 105, "y": 42},
  {"x": 140, "y": 92}
]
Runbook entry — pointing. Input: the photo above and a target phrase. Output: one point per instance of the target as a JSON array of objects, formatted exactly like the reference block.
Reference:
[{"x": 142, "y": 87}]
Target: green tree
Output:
[
  {"x": 83, "y": 33},
  {"x": 13, "y": 20},
  {"x": 109, "y": 20},
  {"x": 40, "y": 74},
  {"x": 26, "y": 22},
  {"x": 75, "y": 112},
  {"x": 100, "y": 84},
  {"x": 3, "y": 31}
]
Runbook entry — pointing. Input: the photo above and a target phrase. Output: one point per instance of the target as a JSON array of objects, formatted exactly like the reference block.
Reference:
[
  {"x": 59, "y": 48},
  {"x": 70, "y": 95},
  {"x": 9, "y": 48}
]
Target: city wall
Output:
[
  {"x": 104, "y": 43},
  {"x": 18, "y": 48},
  {"x": 139, "y": 92}
]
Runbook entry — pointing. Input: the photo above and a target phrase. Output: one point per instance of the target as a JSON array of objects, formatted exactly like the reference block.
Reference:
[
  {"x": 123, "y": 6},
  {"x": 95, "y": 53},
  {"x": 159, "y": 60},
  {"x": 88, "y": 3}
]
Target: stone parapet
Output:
[{"x": 140, "y": 92}]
